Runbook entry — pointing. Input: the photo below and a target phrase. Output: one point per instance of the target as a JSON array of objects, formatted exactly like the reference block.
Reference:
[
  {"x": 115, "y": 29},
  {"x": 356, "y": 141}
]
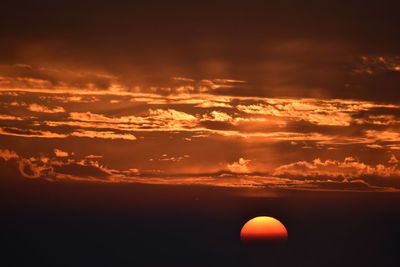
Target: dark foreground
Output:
[{"x": 73, "y": 224}]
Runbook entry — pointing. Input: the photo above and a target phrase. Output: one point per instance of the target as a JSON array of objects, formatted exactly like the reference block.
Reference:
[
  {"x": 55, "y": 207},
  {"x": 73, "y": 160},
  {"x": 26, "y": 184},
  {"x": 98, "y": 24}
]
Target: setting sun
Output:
[{"x": 263, "y": 229}]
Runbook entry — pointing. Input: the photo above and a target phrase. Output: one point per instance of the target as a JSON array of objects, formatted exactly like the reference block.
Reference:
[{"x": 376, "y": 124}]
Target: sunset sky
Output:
[
  {"x": 267, "y": 95},
  {"x": 147, "y": 133}
]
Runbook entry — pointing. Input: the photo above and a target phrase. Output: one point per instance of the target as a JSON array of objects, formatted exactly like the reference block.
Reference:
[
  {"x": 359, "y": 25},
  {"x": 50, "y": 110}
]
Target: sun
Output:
[{"x": 263, "y": 229}]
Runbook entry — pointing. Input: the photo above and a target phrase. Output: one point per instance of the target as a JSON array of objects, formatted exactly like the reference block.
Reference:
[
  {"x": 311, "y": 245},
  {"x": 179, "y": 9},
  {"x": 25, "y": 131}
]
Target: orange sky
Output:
[{"x": 240, "y": 97}]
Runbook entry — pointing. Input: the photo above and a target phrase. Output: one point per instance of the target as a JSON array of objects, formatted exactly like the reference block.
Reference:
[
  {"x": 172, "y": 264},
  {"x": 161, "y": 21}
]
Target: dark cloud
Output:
[
  {"x": 357, "y": 185},
  {"x": 381, "y": 86},
  {"x": 79, "y": 170},
  {"x": 26, "y": 76},
  {"x": 281, "y": 48}
]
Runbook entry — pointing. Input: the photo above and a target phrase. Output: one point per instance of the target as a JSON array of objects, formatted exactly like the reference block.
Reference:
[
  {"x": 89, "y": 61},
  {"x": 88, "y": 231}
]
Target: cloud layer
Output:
[
  {"x": 280, "y": 143},
  {"x": 249, "y": 94}
]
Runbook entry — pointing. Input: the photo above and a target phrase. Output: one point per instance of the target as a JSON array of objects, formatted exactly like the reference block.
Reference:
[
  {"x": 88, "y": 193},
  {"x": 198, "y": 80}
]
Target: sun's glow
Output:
[{"x": 263, "y": 229}]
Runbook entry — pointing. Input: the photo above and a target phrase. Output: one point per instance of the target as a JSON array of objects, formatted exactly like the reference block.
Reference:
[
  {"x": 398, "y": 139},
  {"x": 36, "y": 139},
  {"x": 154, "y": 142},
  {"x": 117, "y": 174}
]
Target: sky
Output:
[
  {"x": 281, "y": 96},
  {"x": 146, "y": 133}
]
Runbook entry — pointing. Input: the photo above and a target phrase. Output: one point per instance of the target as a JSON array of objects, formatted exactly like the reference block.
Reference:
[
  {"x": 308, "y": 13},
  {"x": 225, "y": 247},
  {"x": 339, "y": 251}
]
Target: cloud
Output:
[
  {"x": 240, "y": 166},
  {"x": 60, "y": 153},
  {"x": 267, "y": 50},
  {"x": 393, "y": 159},
  {"x": 58, "y": 167},
  {"x": 293, "y": 130},
  {"x": 90, "y": 169},
  {"x": 93, "y": 156},
  {"x": 28, "y": 77},
  {"x": 251, "y": 92},
  {"x": 172, "y": 158},
  {"x": 356, "y": 185},
  {"x": 39, "y": 108},
  {"x": 11, "y": 118},
  {"x": 375, "y": 64},
  {"x": 349, "y": 168},
  {"x": 103, "y": 135},
  {"x": 78, "y": 133},
  {"x": 319, "y": 112},
  {"x": 8, "y": 154},
  {"x": 173, "y": 119},
  {"x": 35, "y": 168},
  {"x": 85, "y": 169},
  {"x": 385, "y": 136},
  {"x": 156, "y": 118},
  {"x": 93, "y": 117},
  {"x": 23, "y": 76},
  {"x": 213, "y": 104},
  {"x": 376, "y": 146},
  {"x": 30, "y": 133},
  {"x": 378, "y": 120},
  {"x": 217, "y": 116}
]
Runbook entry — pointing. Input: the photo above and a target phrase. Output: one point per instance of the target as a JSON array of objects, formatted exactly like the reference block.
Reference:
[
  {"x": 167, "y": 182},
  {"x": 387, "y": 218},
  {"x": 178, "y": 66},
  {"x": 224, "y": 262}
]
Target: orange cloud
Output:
[
  {"x": 103, "y": 135},
  {"x": 386, "y": 135},
  {"x": 378, "y": 120},
  {"x": 30, "y": 133},
  {"x": 317, "y": 112},
  {"x": 8, "y": 154},
  {"x": 172, "y": 118},
  {"x": 393, "y": 159},
  {"x": 89, "y": 169},
  {"x": 217, "y": 116},
  {"x": 39, "y": 108},
  {"x": 11, "y": 118},
  {"x": 240, "y": 166},
  {"x": 376, "y": 64},
  {"x": 93, "y": 156},
  {"x": 60, "y": 153},
  {"x": 349, "y": 168},
  {"x": 172, "y": 158}
]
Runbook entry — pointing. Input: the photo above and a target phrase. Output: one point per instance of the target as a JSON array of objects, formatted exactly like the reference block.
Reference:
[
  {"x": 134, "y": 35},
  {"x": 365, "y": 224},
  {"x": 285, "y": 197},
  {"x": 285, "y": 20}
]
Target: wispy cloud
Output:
[
  {"x": 208, "y": 139},
  {"x": 30, "y": 133},
  {"x": 348, "y": 168},
  {"x": 39, "y": 108},
  {"x": 91, "y": 170},
  {"x": 103, "y": 135}
]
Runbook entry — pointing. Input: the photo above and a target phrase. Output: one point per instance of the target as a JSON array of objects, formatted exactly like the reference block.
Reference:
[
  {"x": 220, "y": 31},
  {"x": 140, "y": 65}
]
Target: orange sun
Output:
[{"x": 263, "y": 229}]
